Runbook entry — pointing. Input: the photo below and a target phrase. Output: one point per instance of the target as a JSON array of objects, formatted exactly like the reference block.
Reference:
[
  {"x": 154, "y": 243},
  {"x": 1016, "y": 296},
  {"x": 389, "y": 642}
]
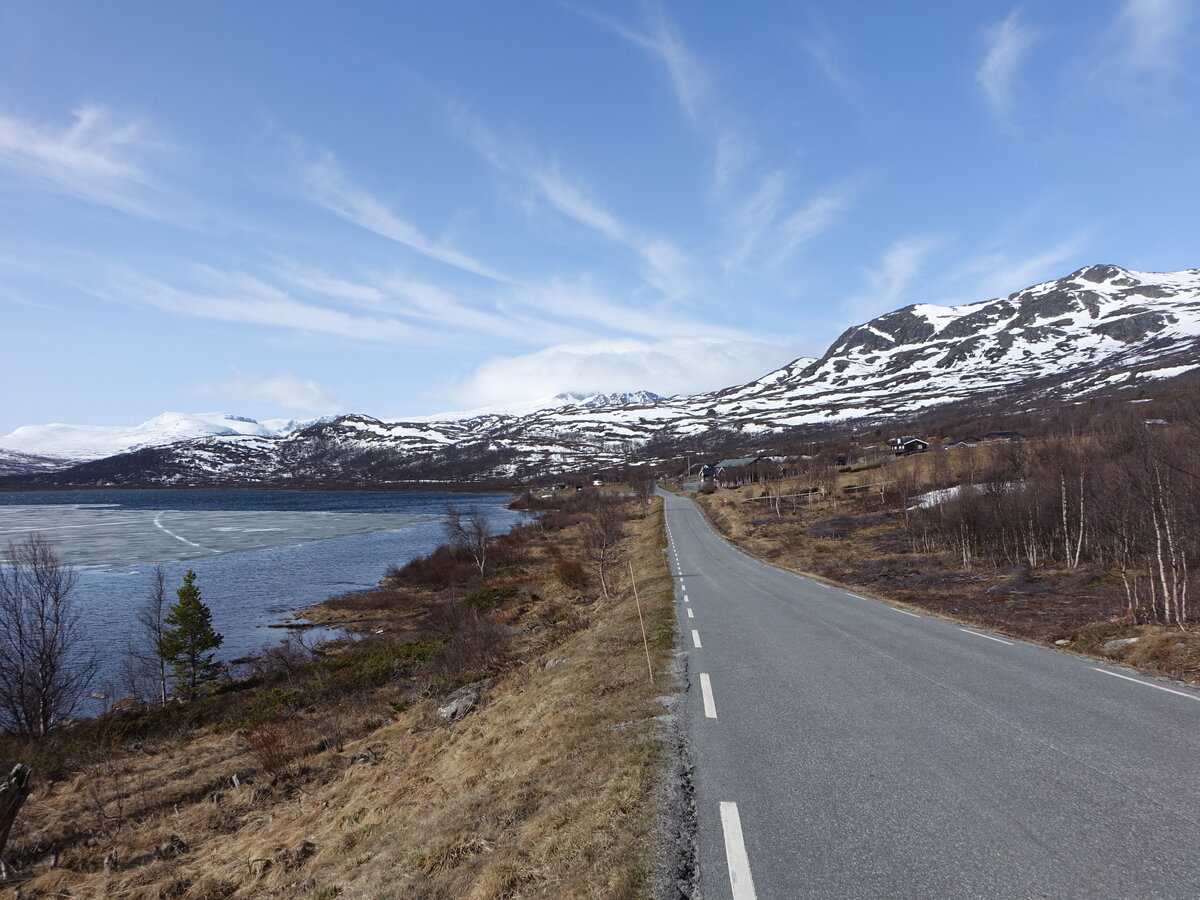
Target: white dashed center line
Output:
[
  {"x": 735, "y": 853},
  {"x": 696, "y": 638},
  {"x": 710, "y": 706},
  {"x": 1157, "y": 687},
  {"x": 988, "y": 636}
]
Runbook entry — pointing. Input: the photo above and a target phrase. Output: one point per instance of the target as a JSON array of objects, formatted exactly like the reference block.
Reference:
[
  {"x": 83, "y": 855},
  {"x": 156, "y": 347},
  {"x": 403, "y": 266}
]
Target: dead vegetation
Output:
[{"x": 337, "y": 776}]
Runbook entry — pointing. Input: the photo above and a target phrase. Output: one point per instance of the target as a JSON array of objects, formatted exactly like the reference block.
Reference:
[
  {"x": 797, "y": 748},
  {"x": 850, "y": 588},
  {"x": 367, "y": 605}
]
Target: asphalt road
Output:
[{"x": 846, "y": 748}]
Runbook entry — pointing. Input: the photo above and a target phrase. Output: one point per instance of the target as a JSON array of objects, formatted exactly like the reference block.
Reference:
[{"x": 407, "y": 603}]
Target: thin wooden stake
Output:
[{"x": 642, "y": 622}]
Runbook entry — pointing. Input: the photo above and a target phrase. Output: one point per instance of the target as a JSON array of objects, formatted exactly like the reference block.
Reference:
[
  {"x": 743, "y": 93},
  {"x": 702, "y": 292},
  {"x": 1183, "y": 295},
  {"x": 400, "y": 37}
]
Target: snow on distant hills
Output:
[
  {"x": 555, "y": 401},
  {"x": 1100, "y": 328},
  {"x": 78, "y": 443}
]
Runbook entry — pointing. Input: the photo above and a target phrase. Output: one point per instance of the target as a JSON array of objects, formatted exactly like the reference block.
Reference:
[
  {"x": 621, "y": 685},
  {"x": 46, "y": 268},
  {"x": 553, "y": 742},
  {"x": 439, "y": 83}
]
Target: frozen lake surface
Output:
[{"x": 258, "y": 555}]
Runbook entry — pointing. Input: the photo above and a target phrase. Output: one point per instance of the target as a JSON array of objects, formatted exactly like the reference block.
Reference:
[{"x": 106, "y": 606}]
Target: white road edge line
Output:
[
  {"x": 1157, "y": 687},
  {"x": 735, "y": 853},
  {"x": 685, "y": 599},
  {"x": 904, "y": 612},
  {"x": 710, "y": 705},
  {"x": 690, "y": 616},
  {"x": 696, "y": 638},
  {"x": 988, "y": 636}
]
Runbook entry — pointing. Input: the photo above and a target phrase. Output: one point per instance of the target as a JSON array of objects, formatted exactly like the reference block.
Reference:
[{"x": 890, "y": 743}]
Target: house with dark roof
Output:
[
  {"x": 907, "y": 446},
  {"x": 741, "y": 470}
]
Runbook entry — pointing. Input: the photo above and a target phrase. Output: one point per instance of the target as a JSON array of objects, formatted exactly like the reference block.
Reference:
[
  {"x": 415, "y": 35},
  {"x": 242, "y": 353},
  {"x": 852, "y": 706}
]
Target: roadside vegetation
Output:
[
  {"x": 1083, "y": 533},
  {"x": 490, "y": 732}
]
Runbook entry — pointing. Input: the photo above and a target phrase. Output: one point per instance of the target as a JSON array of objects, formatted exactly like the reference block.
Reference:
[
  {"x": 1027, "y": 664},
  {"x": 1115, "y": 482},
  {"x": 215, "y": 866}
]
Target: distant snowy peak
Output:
[
  {"x": 621, "y": 398},
  {"x": 554, "y": 401},
  {"x": 287, "y": 426},
  {"x": 76, "y": 443}
]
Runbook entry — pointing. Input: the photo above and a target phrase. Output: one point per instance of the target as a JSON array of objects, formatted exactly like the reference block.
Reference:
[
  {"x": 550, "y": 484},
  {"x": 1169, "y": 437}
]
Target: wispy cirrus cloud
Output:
[
  {"x": 1008, "y": 42},
  {"x": 998, "y": 269},
  {"x": 580, "y": 301},
  {"x": 328, "y": 186},
  {"x": 98, "y": 158},
  {"x": 1153, "y": 34},
  {"x": 815, "y": 217},
  {"x": 730, "y": 145},
  {"x": 665, "y": 265},
  {"x": 889, "y": 279},
  {"x": 660, "y": 38},
  {"x": 1142, "y": 53},
  {"x": 242, "y": 299}
]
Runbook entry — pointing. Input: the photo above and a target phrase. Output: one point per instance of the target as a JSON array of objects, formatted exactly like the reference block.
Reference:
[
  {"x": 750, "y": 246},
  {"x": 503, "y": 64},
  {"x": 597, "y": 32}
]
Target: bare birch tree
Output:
[
  {"x": 46, "y": 666},
  {"x": 470, "y": 531},
  {"x": 150, "y": 616},
  {"x": 601, "y": 540}
]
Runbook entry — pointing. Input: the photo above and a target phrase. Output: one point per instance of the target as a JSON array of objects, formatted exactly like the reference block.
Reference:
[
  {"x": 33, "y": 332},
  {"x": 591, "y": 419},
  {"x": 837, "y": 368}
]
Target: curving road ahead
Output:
[{"x": 847, "y": 748}]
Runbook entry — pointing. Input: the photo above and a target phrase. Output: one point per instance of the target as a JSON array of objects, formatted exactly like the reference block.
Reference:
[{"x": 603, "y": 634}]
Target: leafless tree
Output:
[
  {"x": 46, "y": 666},
  {"x": 147, "y": 667},
  {"x": 150, "y": 617},
  {"x": 469, "y": 531},
  {"x": 601, "y": 540}
]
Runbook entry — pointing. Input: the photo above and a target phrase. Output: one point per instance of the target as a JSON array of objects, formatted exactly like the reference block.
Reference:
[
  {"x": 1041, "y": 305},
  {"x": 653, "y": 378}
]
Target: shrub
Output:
[
  {"x": 486, "y": 598},
  {"x": 478, "y": 644},
  {"x": 277, "y": 744},
  {"x": 571, "y": 573},
  {"x": 443, "y": 568}
]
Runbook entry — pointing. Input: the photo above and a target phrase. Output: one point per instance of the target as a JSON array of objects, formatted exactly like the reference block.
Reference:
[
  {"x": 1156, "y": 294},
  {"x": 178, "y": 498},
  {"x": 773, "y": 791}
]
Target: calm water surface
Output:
[{"x": 258, "y": 555}]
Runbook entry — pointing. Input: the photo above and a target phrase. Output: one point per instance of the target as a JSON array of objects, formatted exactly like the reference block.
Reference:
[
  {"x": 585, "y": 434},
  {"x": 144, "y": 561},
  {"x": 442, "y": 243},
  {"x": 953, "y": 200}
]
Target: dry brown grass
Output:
[{"x": 548, "y": 790}]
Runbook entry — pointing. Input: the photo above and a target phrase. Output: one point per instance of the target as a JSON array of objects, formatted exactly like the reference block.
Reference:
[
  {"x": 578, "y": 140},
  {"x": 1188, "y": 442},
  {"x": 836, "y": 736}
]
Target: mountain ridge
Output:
[{"x": 1094, "y": 329}]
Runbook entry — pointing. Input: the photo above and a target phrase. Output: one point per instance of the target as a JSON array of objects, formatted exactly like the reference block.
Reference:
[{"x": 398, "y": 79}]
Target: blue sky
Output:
[{"x": 288, "y": 209}]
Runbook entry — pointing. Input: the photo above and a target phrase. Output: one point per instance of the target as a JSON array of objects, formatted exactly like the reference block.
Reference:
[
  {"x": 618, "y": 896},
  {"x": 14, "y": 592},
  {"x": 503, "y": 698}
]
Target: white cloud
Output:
[
  {"x": 243, "y": 299},
  {"x": 888, "y": 281},
  {"x": 581, "y": 302},
  {"x": 815, "y": 217},
  {"x": 664, "y": 265},
  {"x": 287, "y": 391},
  {"x": 689, "y": 82},
  {"x": 329, "y": 187},
  {"x": 755, "y": 215},
  {"x": 733, "y": 152},
  {"x": 1007, "y": 44},
  {"x": 997, "y": 272},
  {"x": 1152, "y": 32},
  {"x": 681, "y": 365},
  {"x": 97, "y": 158}
]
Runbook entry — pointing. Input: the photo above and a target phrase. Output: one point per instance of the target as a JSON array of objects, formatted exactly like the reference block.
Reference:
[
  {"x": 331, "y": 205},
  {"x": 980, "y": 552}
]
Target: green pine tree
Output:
[{"x": 189, "y": 642}]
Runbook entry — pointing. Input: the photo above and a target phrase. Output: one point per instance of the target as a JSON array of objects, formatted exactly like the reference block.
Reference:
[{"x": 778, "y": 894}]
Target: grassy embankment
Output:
[
  {"x": 337, "y": 777},
  {"x": 860, "y": 540}
]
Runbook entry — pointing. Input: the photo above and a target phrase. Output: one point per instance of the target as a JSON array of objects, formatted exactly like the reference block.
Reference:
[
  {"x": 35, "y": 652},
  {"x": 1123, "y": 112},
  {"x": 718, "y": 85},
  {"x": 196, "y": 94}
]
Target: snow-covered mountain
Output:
[
  {"x": 1100, "y": 328},
  {"x": 554, "y": 401},
  {"x": 77, "y": 443}
]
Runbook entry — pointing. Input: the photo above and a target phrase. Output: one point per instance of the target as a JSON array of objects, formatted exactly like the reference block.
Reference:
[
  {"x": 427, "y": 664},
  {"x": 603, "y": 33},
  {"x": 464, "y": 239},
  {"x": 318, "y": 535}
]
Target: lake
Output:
[{"x": 259, "y": 555}]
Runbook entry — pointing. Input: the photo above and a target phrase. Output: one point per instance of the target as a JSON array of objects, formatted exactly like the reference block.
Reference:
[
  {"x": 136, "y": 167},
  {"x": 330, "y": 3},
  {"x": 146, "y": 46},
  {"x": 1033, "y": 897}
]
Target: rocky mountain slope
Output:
[{"x": 1101, "y": 327}]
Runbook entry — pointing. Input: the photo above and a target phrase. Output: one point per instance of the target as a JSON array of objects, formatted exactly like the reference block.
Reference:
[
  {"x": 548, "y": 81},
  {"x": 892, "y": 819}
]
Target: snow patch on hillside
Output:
[{"x": 88, "y": 442}]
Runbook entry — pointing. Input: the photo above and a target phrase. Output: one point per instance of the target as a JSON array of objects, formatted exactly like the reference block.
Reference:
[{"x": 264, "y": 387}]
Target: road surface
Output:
[{"x": 846, "y": 748}]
